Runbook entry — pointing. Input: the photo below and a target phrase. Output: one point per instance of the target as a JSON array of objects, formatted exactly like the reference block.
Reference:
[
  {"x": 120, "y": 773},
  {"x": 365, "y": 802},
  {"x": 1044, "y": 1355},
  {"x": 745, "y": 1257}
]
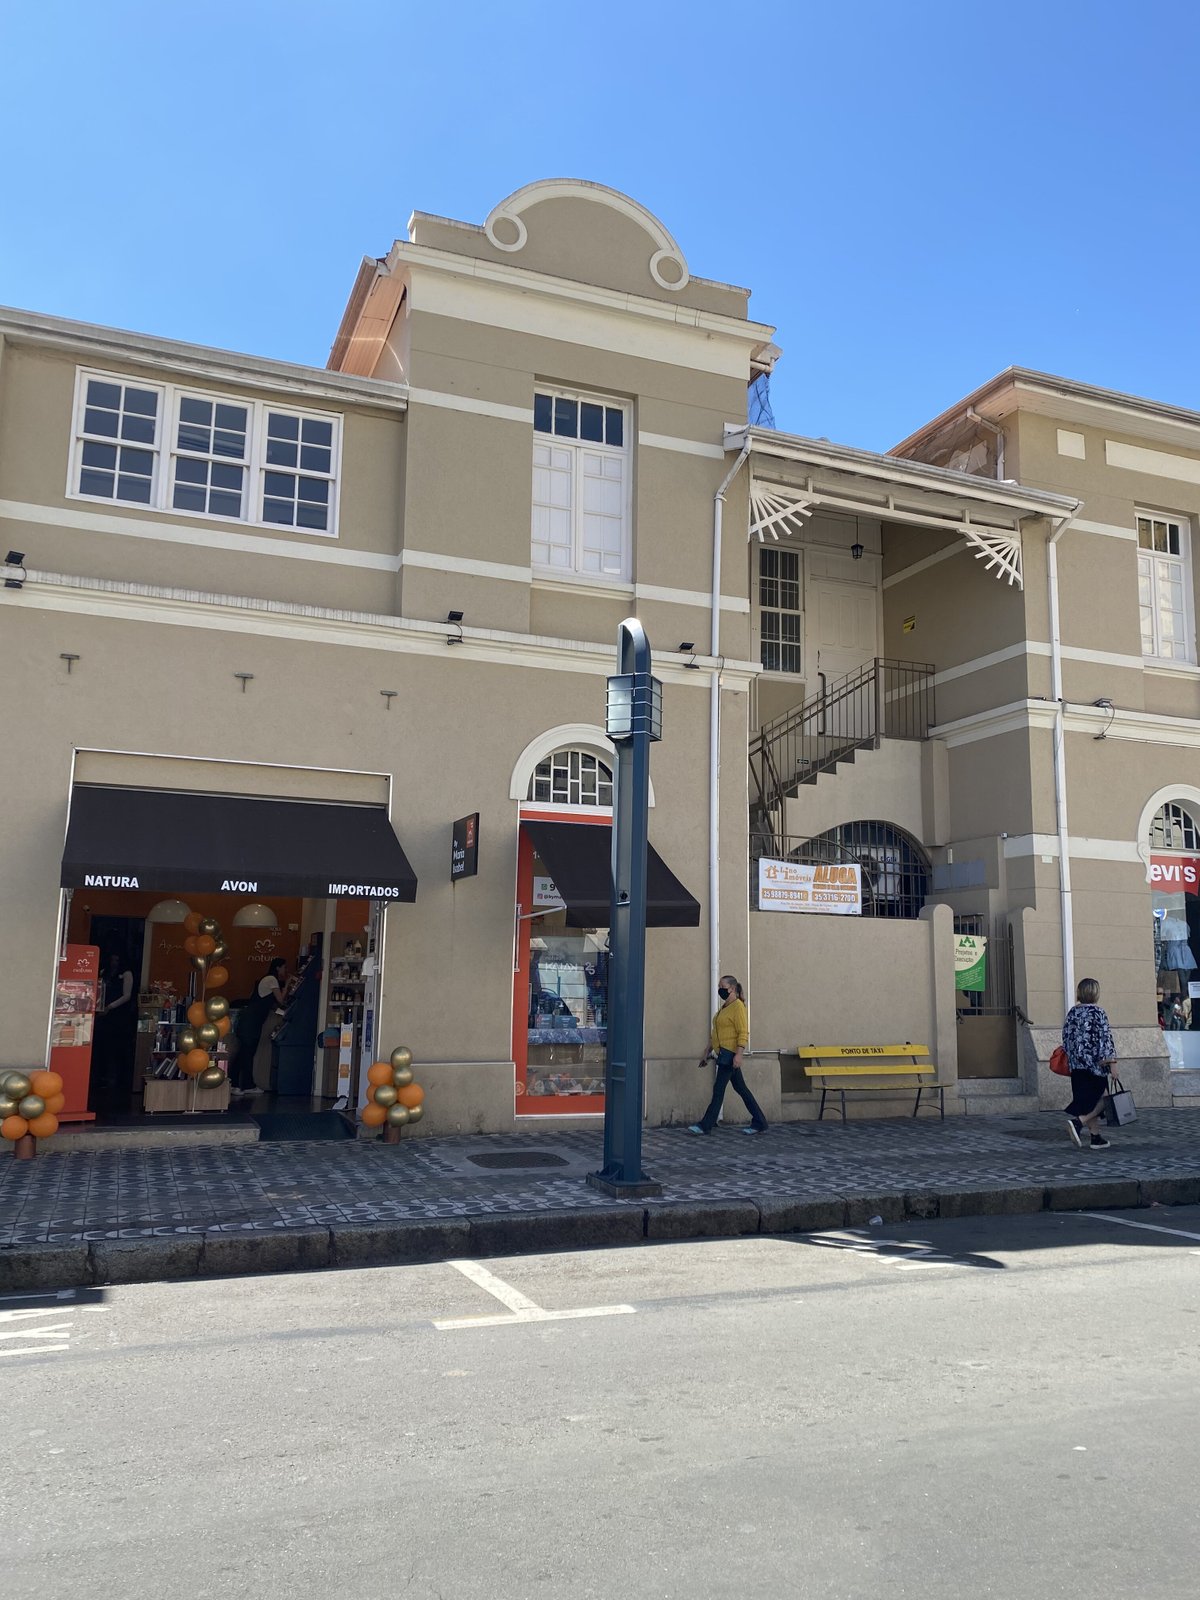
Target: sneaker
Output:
[
  {"x": 1075, "y": 1132},
  {"x": 1099, "y": 1142},
  {"x": 753, "y": 1129},
  {"x": 696, "y": 1128}
]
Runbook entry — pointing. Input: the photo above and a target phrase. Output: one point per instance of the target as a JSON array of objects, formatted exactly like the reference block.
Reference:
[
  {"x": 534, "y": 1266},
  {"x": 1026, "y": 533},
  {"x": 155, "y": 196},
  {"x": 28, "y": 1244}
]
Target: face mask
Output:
[{"x": 724, "y": 993}]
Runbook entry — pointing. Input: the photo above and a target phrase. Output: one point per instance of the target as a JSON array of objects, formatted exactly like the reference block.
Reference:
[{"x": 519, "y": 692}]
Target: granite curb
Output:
[{"x": 223, "y": 1253}]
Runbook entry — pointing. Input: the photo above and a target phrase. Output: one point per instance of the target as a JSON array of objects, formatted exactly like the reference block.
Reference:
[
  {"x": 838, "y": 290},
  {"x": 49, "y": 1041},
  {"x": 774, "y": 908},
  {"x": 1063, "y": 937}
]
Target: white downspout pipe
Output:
[
  {"x": 714, "y": 732},
  {"x": 1060, "y": 765}
]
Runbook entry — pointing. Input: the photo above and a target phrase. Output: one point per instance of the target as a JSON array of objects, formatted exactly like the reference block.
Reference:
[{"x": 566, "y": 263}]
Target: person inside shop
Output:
[
  {"x": 114, "y": 1036},
  {"x": 251, "y": 1020}
]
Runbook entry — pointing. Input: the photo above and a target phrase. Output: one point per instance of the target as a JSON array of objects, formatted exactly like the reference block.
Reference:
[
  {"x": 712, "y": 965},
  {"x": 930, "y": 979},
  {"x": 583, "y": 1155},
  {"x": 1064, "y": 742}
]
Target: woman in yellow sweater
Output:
[{"x": 729, "y": 1037}]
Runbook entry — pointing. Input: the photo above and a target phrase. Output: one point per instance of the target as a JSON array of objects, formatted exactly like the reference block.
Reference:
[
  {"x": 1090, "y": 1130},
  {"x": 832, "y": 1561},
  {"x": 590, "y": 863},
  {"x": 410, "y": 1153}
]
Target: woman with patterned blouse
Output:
[{"x": 1091, "y": 1053}]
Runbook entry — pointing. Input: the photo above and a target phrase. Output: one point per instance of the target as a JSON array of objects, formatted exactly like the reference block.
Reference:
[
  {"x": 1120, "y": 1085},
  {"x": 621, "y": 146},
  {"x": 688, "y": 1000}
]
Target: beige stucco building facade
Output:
[{"x": 394, "y": 584}]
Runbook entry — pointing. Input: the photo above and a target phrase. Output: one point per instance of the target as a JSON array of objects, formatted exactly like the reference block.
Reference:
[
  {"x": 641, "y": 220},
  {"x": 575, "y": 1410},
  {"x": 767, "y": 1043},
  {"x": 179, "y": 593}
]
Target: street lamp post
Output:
[{"x": 634, "y": 721}]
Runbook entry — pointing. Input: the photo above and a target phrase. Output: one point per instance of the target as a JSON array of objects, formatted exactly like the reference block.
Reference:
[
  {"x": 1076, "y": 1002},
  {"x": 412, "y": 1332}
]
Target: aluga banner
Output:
[
  {"x": 835, "y": 889},
  {"x": 970, "y": 961}
]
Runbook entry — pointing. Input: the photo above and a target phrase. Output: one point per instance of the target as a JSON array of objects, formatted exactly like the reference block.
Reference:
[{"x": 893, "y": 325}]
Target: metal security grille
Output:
[
  {"x": 895, "y": 870},
  {"x": 996, "y": 999}
]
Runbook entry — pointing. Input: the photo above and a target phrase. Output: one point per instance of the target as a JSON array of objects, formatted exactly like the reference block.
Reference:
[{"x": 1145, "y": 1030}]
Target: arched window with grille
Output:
[
  {"x": 1174, "y": 828},
  {"x": 572, "y": 778},
  {"x": 895, "y": 869}
]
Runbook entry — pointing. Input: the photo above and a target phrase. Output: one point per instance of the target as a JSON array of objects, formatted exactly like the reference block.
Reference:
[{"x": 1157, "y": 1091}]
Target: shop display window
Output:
[{"x": 1175, "y": 903}]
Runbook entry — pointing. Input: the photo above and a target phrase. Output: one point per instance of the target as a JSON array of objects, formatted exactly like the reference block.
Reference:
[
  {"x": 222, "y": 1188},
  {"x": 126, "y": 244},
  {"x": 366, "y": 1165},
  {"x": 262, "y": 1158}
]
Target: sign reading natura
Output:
[{"x": 834, "y": 889}]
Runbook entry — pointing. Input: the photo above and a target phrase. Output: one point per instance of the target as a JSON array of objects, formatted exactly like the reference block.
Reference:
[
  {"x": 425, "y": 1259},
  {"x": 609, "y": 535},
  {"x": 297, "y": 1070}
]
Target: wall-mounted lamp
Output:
[
  {"x": 455, "y": 618},
  {"x": 15, "y": 558},
  {"x": 388, "y": 696},
  {"x": 688, "y": 647},
  {"x": 1105, "y": 705},
  {"x": 856, "y": 550}
]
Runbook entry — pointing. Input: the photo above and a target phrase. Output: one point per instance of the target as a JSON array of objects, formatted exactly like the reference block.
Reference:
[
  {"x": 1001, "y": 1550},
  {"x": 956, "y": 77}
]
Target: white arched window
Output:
[
  {"x": 572, "y": 778},
  {"x": 1174, "y": 828}
]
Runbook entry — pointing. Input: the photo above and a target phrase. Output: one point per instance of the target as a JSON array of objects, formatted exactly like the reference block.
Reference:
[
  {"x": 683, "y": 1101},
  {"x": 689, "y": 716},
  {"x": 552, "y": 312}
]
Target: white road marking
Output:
[
  {"x": 57, "y": 1332},
  {"x": 34, "y": 1350},
  {"x": 1148, "y": 1227},
  {"x": 520, "y": 1307},
  {"x": 922, "y": 1255},
  {"x": 42, "y": 1294}
]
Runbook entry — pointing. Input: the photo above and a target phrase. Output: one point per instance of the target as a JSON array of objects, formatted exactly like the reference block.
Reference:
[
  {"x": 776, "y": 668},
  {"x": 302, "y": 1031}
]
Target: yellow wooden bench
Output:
[{"x": 851, "y": 1061}]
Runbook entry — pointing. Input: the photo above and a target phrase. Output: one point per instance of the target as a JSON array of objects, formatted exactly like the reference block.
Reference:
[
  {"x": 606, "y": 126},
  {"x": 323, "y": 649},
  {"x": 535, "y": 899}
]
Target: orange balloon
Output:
[
  {"x": 192, "y": 921},
  {"x": 223, "y": 1026},
  {"x": 192, "y": 944},
  {"x": 217, "y": 977},
  {"x": 195, "y": 1061},
  {"x": 379, "y": 1072},
  {"x": 45, "y": 1084},
  {"x": 373, "y": 1116},
  {"x": 205, "y": 944},
  {"x": 15, "y": 1128},
  {"x": 196, "y": 1014},
  {"x": 42, "y": 1127},
  {"x": 55, "y": 1104},
  {"x": 411, "y": 1095}
]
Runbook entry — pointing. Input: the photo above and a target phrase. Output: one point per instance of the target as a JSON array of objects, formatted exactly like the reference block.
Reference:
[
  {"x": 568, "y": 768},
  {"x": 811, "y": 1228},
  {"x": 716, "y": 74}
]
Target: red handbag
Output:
[{"x": 1059, "y": 1062}]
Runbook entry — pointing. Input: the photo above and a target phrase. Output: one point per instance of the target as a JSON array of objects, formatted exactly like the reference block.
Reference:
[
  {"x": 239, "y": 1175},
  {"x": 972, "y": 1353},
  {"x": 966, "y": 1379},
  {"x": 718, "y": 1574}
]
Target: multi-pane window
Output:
[
  {"x": 1163, "y": 580},
  {"x": 172, "y": 449},
  {"x": 580, "y": 486},
  {"x": 118, "y": 440},
  {"x": 299, "y": 475},
  {"x": 1174, "y": 828},
  {"x": 779, "y": 608},
  {"x": 211, "y": 456},
  {"x": 572, "y": 778}
]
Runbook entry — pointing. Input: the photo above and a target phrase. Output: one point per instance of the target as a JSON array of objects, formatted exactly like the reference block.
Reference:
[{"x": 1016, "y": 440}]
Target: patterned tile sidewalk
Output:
[{"x": 130, "y": 1194}]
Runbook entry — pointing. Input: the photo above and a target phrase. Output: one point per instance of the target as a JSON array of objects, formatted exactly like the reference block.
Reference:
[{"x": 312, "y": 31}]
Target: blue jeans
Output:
[{"x": 728, "y": 1074}]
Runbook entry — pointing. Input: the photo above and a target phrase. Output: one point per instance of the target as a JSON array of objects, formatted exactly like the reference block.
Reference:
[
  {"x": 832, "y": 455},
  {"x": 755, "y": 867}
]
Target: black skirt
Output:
[{"x": 1087, "y": 1091}]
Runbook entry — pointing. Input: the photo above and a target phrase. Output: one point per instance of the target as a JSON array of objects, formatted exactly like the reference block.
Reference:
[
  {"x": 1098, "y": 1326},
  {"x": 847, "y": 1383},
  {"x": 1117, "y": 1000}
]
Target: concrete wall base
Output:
[{"x": 1142, "y": 1065}]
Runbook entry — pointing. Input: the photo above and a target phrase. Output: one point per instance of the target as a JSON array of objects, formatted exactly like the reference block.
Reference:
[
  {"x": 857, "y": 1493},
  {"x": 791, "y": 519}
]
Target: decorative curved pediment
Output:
[{"x": 507, "y": 229}]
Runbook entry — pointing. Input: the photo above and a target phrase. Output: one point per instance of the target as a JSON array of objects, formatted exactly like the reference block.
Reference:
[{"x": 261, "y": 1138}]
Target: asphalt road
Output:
[{"x": 995, "y": 1407}]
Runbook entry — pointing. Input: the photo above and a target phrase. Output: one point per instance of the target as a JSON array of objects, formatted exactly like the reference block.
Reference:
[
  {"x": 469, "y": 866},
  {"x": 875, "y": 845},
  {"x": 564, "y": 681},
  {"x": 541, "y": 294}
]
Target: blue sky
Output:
[{"x": 918, "y": 194}]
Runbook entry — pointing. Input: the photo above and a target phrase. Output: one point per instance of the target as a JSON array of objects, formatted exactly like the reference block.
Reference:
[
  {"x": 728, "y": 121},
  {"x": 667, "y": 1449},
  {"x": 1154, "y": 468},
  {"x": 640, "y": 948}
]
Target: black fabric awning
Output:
[
  {"x": 578, "y": 856},
  {"x": 165, "y": 839}
]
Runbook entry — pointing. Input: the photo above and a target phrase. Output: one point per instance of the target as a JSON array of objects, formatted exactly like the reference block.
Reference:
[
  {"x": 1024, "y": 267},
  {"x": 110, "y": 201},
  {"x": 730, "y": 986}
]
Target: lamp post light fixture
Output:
[{"x": 633, "y": 723}]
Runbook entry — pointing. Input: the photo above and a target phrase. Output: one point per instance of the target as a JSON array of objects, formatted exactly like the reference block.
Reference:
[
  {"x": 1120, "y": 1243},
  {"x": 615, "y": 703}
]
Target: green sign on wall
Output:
[{"x": 970, "y": 961}]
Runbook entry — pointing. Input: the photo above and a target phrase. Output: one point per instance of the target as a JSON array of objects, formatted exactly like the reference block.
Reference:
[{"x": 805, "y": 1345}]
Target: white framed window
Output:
[
  {"x": 1174, "y": 828},
  {"x": 780, "y": 609},
  {"x": 581, "y": 486},
  {"x": 572, "y": 778},
  {"x": 1165, "y": 587},
  {"x": 173, "y": 448}
]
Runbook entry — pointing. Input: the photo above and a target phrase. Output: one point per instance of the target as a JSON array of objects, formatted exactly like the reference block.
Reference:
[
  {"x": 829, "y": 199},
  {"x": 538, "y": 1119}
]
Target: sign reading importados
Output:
[{"x": 835, "y": 889}]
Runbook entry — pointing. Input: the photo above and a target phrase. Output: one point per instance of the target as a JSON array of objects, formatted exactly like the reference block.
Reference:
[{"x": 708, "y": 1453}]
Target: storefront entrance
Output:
[
  {"x": 298, "y": 889},
  {"x": 560, "y": 965}
]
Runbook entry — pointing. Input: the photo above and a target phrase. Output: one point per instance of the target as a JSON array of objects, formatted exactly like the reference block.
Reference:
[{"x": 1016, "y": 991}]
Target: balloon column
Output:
[
  {"x": 29, "y": 1104},
  {"x": 393, "y": 1099},
  {"x": 208, "y": 1015}
]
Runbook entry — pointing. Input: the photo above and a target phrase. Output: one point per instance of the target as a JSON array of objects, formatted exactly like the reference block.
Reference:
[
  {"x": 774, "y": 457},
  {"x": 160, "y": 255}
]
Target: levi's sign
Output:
[
  {"x": 1176, "y": 872},
  {"x": 834, "y": 889}
]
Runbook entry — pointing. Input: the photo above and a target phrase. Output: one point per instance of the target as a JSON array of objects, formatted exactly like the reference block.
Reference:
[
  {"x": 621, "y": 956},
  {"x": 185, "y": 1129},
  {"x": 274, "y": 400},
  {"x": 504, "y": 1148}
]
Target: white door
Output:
[{"x": 843, "y": 638}]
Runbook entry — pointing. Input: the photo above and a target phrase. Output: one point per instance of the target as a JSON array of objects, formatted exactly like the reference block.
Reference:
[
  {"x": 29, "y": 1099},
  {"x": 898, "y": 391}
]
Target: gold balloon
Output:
[
  {"x": 8, "y": 1107},
  {"x": 222, "y": 949},
  {"x": 216, "y": 1008},
  {"x": 188, "y": 1039},
  {"x": 415, "y": 1113},
  {"x": 200, "y": 963},
  {"x": 402, "y": 1057},
  {"x": 16, "y": 1085},
  {"x": 209, "y": 925},
  {"x": 398, "y": 1116},
  {"x": 402, "y": 1076},
  {"x": 31, "y": 1106},
  {"x": 207, "y": 1036},
  {"x": 211, "y": 1078},
  {"x": 384, "y": 1094}
]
